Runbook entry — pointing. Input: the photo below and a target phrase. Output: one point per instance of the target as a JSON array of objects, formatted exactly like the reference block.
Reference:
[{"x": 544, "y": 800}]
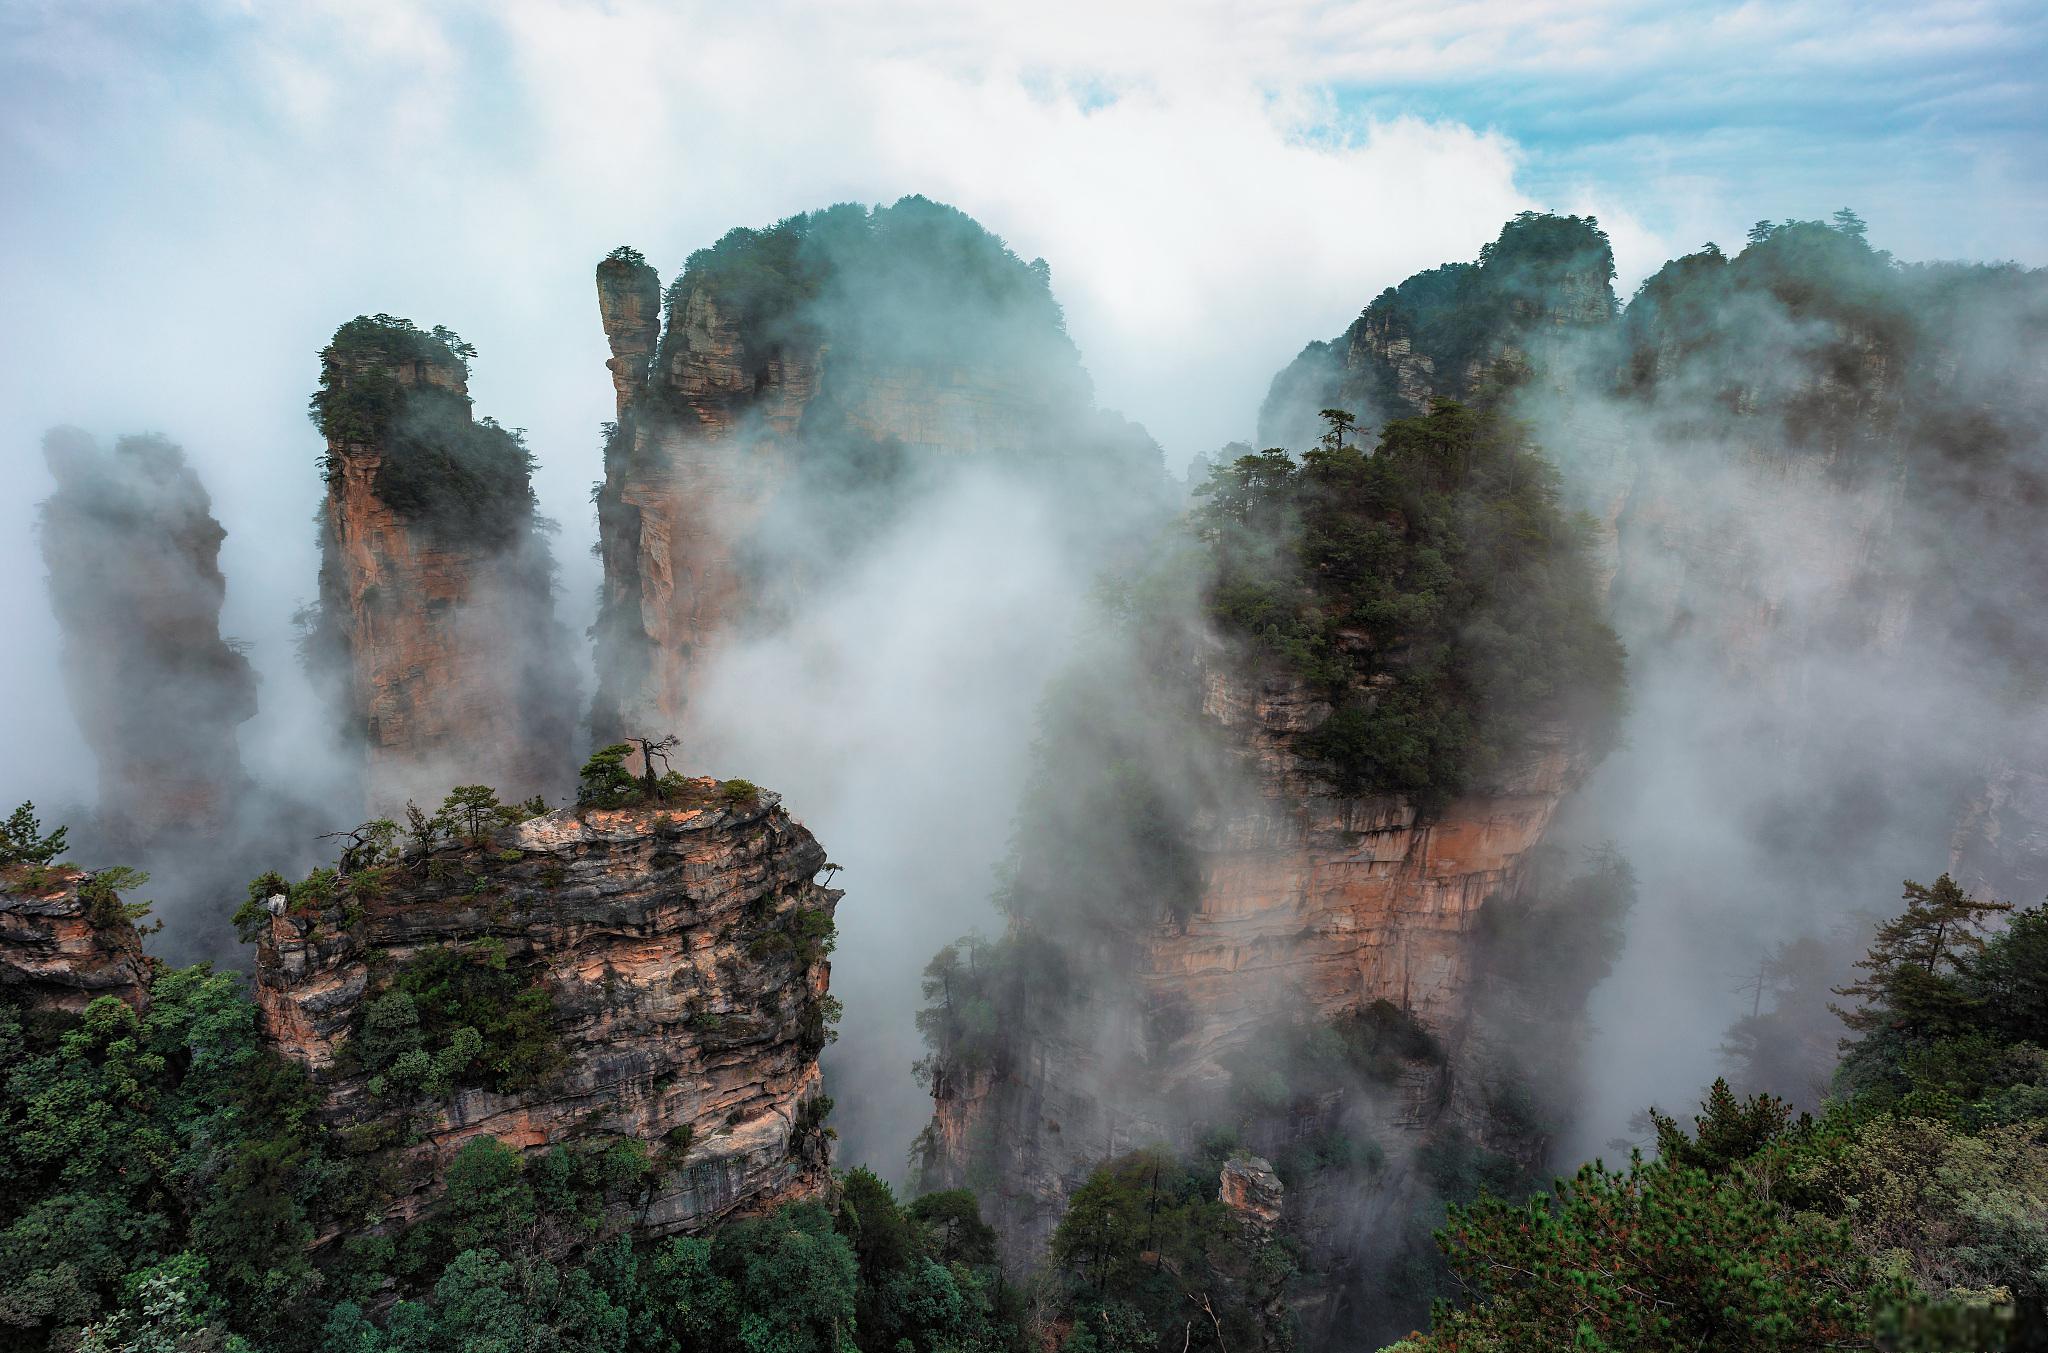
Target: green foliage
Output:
[
  {"x": 457, "y": 1015},
  {"x": 472, "y": 813},
  {"x": 470, "y": 482},
  {"x": 101, "y": 892},
  {"x": 1146, "y": 1243},
  {"x": 1727, "y": 1131},
  {"x": 855, "y": 276},
  {"x": 1460, "y": 315},
  {"x": 1658, "y": 1258},
  {"x": 739, "y": 793},
  {"x": 978, "y": 993},
  {"x": 604, "y": 781},
  {"x": 1912, "y": 1213},
  {"x": 22, "y": 840},
  {"x": 1915, "y": 975},
  {"x": 155, "y": 1170},
  {"x": 1433, "y": 589}
]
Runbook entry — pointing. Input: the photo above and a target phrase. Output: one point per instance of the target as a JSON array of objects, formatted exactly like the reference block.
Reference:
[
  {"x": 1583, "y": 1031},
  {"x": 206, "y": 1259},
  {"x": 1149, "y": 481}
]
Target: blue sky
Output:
[{"x": 197, "y": 193}]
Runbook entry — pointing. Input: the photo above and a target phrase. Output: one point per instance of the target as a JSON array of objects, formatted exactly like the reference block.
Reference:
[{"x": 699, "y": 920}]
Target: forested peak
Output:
[
  {"x": 1540, "y": 260},
  {"x": 394, "y": 340},
  {"x": 917, "y": 280}
]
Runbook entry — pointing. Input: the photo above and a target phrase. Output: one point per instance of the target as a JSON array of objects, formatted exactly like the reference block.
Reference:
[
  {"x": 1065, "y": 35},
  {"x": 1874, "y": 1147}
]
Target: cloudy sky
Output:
[{"x": 197, "y": 193}]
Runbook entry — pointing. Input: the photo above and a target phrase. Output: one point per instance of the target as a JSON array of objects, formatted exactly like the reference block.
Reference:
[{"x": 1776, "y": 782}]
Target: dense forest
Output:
[{"x": 170, "y": 1185}]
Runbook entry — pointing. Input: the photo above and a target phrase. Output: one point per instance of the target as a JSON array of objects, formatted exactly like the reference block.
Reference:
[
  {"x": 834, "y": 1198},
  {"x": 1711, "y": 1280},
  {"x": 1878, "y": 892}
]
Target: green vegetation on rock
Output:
[
  {"x": 1433, "y": 589},
  {"x": 468, "y": 481}
]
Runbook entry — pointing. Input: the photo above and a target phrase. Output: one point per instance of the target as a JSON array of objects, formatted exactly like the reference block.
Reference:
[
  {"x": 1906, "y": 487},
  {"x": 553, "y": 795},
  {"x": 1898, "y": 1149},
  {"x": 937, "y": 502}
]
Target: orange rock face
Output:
[
  {"x": 1311, "y": 906},
  {"x": 687, "y": 1009},
  {"x": 450, "y": 666},
  {"x": 55, "y": 954}
]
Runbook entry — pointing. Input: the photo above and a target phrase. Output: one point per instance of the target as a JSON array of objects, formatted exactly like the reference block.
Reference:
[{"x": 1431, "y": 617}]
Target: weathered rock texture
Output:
[
  {"x": 809, "y": 378},
  {"x": 1311, "y": 906},
  {"x": 436, "y": 625},
  {"x": 58, "y": 951},
  {"x": 684, "y": 995},
  {"x": 1250, "y": 1189},
  {"x": 133, "y": 552}
]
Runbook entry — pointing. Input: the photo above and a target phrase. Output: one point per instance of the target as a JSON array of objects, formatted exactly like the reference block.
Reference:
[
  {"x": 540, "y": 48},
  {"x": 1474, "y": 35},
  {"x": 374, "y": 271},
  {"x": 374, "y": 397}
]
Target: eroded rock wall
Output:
[
  {"x": 1311, "y": 905},
  {"x": 804, "y": 382},
  {"x": 58, "y": 951},
  {"x": 687, "y": 1004}
]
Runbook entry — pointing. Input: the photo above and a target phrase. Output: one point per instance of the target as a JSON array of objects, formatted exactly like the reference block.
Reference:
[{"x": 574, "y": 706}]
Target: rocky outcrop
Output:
[
  {"x": 1253, "y": 1193},
  {"x": 61, "y": 948},
  {"x": 681, "y": 950},
  {"x": 810, "y": 378},
  {"x": 1311, "y": 906},
  {"x": 436, "y": 629},
  {"x": 133, "y": 553}
]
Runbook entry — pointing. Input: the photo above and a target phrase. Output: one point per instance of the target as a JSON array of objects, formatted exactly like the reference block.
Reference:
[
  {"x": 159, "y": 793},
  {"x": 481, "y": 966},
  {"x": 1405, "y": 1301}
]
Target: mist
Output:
[
  {"x": 1799, "y": 742},
  {"x": 1813, "y": 494}
]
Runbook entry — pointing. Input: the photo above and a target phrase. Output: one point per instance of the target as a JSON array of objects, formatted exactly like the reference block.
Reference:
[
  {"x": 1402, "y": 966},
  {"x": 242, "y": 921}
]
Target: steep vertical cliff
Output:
[
  {"x": 133, "y": 552},
  {"x": 436, "y": 627},
  {"x": 651, "y": 974},
  {"x": 1250, "y": 889},
  {"x": 809, "y": 379},
  {"x": 1308, "y": 910}
]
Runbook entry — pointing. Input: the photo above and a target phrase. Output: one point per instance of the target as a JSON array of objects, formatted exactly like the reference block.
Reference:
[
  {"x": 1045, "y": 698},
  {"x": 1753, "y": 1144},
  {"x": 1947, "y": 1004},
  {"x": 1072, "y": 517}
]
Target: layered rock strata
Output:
[
  {"x": 679, "y": 951},
  {"x": 1311, "y": 906},
  {"x": 60, "y": 951}
]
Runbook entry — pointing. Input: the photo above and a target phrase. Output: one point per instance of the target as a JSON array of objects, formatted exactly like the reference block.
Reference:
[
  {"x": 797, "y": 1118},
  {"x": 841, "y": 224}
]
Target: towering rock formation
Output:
[
  {"x": 436, "y": 624},
  {"x": 661, "y": 977},
  {"x": 1284, "y": 949},
  {"x": 809, "y": 380},
  {"x": 1523, "y": 308},
  {"x": 1818, "y": 505},
  {"x": 133, "y": 552},
  {"x": 1308, "y": 909},
  {"x": 65, "y": 941}
]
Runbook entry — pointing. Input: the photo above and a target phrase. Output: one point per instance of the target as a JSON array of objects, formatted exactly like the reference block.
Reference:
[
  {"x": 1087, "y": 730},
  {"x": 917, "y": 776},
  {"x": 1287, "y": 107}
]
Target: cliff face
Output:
[
  {"x": 436, "y": 624},
  {"x": 1311, "y": 906},
  {"x": 810, "y": 379},
  {"x": 685, "y": 997},
  {"x": 58, "y": 950},
  {"x": 133, "y": 552}
]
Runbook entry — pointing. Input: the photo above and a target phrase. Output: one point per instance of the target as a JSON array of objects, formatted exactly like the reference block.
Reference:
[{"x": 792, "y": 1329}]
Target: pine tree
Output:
[
  {"x": 22, "y": 840},
  {"x": 1726, "y": 1131},
  {"x": 1909, "y": 979}
]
